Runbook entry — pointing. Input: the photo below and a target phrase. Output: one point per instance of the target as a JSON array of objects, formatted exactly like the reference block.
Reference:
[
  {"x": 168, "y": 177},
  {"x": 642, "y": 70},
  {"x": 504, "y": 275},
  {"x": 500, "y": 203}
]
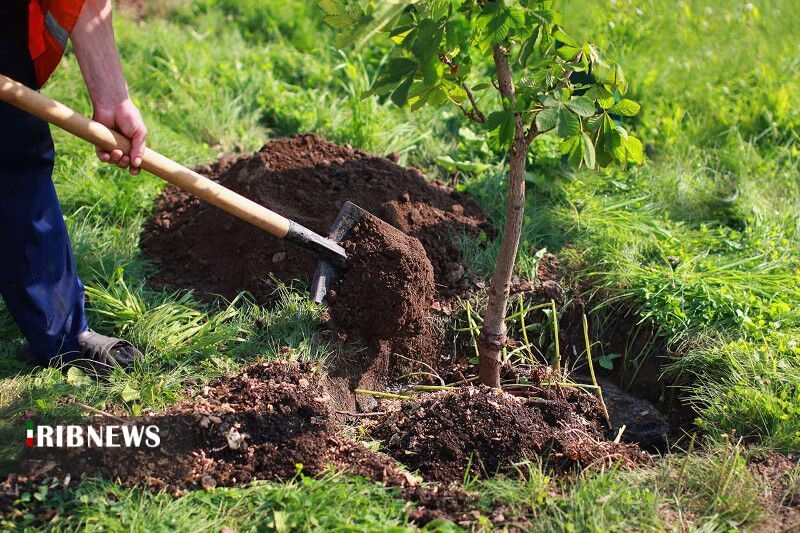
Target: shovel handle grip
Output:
[{"x": 73, "y": 122}]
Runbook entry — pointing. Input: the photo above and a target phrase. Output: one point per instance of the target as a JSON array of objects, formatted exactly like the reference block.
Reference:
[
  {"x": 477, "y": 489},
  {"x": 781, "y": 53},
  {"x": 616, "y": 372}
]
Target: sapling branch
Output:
[
  {"x": 533, "y": 132},
  {"x": 481, "y": 117},
  {"x": 476, "y": 114}
]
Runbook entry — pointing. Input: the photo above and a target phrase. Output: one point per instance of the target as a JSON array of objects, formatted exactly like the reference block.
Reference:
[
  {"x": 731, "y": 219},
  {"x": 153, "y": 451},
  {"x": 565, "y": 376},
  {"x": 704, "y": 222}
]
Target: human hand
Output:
[{"x": 125, "y": 118}]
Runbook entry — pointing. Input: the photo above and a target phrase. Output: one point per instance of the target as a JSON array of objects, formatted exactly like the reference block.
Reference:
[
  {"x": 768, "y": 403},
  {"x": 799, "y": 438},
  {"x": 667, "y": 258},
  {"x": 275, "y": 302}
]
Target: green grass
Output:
[
  {"x": 714, "y": 491},
  {"x": 305, "y": 504},
  {"x": 704, "y": 241}
]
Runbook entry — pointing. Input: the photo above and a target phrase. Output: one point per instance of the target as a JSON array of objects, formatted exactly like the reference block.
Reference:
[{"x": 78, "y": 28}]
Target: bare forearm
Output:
[{"x": 96, "y": 51}]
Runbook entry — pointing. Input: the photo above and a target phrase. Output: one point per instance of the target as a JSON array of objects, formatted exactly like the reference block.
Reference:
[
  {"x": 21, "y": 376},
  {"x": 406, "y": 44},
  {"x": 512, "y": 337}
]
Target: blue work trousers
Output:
[{"x": 38, "y": 281}]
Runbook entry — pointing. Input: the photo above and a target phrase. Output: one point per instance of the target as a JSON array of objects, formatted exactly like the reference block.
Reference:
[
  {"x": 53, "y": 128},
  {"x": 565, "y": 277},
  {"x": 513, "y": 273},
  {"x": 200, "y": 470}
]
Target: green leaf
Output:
[
  {"x": 382, "y": 15},
  {"x": 420, "y": 95},
  {"x": 568, "y": 123},
  {"x": 549, "y": 100},
  {"x": 547, "y": 119},
  {"x": 494, "y": 119},
  {"x": 607, "y": 360},
  {"x": 458, "y": 30},
  {"x": 594, "y": 122},
  {"x": 400, "y": 31},
  {"x": 606, "y": 102},
  {"x": 614, "y": 143},
  {"x": 529, "y": 47},
  {"x": 582, "y": 106},
  {"x": 506, "y": 133},
  {"x": 400, "y": 67},
  {"x": 626, "y": 108},
  {"x": 619, "y": 80},
  {"x": 567, "y": 53},
  {"x": 604, "y": 147},
  {"x": 429, "y": 35},
  {"x": 339, "y": 15},
  {"x": 562, "y": 37},
  {"x": 129, "y": 394},
  {"x": 41, "y": 494},
  {"x": 588, "y": 151},
  {"x": 395, "y": 71},
  {"x": 498, "y": 20},
  {"x": 573, "y": 149},
  {"x": 480, "y": 87},
  {"x": 566, "y": 47},
  {"x": 400, "y": 95},
  {"x": 635, "y": 151},
  {"x": 432, "y": 70},
  {"x": 75, "y": 376}
]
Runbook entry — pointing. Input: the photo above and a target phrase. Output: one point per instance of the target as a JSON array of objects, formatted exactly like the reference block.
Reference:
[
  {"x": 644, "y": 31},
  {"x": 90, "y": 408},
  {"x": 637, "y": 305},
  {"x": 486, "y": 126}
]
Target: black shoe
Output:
[
  {"x": 101, "y": 353},
  {"x": 98, "y": 353}
]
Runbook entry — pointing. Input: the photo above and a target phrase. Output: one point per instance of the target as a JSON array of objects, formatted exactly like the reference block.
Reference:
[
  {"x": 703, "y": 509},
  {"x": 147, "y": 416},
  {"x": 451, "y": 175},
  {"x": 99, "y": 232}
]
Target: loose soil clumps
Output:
[
  {"x": 387, "y": 288},
  {"x": 385, "y": 295},
  {"x": 483, "y": 430},
  {"x": 257, "y": 425},
  {"x": 198, "y": 246}
]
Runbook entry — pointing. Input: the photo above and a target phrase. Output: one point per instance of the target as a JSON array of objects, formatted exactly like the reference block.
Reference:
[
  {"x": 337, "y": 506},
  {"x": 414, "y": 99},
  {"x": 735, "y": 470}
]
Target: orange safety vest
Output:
[{"x": 49, "y": 25}]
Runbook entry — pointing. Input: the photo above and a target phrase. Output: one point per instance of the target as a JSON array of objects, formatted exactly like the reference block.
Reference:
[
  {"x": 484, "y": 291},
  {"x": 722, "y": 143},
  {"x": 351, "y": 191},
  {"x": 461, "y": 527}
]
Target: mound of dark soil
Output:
[
  {"x": 483, "y": 430},
  {"x": 307, "y": 179},
  {"x": 263, "y": 423}
]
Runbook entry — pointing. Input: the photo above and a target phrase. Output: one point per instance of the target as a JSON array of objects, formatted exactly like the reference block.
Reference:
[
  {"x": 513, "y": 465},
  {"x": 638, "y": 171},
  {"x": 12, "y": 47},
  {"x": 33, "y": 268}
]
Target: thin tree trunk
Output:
[{"x": 493, "y": 335}]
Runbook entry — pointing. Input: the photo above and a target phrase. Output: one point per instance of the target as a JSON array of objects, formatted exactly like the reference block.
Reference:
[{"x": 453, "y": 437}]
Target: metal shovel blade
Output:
[{"x": 329, "y": 272}]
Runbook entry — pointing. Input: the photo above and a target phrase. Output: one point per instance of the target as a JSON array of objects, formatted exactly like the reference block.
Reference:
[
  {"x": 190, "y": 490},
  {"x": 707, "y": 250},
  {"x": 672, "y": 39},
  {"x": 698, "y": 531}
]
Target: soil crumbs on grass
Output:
[
  {"x": 483, "y": 430},
  {"x": 257, "y": 425},
  {"x": 307, "y": 179}
]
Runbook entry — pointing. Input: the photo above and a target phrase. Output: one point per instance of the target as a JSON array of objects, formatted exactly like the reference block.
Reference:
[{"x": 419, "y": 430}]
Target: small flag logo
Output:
[{"x": 29, "y": 439}]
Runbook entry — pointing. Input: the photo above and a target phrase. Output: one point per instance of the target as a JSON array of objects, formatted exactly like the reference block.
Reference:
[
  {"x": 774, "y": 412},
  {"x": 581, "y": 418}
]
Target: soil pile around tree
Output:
[
  {"x": 483, "y": 430},
  {"x": 275, "y": 418},
  {"x": 307, "y": 179},
  {"x": 259, "y": 424}
]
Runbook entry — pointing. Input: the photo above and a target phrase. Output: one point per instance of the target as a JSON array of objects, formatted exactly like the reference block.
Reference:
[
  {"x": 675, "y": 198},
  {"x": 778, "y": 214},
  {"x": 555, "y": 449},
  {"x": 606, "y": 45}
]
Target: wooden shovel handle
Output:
[{"x": 212, "y": 192}]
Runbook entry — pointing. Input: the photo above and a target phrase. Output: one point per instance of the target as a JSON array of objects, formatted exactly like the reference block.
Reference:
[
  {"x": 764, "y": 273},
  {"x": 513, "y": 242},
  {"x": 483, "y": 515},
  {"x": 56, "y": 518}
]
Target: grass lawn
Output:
[{"x": 703, "y": 241}]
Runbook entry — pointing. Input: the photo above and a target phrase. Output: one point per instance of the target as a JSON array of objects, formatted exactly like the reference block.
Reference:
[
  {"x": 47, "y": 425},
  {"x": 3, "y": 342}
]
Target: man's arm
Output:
[{"x": 94, "y": 45}]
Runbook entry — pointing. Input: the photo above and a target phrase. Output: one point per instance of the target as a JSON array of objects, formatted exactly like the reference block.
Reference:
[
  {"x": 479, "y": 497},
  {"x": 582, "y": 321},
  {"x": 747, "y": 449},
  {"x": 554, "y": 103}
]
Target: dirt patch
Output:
[
  {"x": 483, "y": 430},
  {"x": 781, "y": 500},
  {"x": 275, "y": 419},
  {"x": 655, "y": 412},
  {"x": 265, "y": 423},
  {"x": 198, "y": 246}
]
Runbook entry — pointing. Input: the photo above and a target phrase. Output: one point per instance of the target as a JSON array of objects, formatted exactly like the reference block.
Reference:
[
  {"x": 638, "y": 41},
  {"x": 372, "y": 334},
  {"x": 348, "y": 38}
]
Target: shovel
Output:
[{"x": 333, "y": 258}]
